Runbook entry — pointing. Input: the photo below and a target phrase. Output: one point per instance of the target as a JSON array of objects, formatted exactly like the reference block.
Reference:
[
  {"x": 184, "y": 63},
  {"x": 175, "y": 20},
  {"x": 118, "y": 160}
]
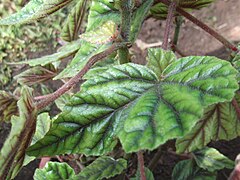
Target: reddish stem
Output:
[
  {"x": 48, "y": 99},
  {"x": 141, "y": 165},
  {"x": 202, "y": 25},
  {"x": 237, "y": 108},
  {"x": 171, "y": 11}
]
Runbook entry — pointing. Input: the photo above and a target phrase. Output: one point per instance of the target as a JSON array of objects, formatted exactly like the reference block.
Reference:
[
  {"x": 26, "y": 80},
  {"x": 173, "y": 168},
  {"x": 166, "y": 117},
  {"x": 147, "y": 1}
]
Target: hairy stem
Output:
[
  {"x": 179, "y": 21},
  {"x": 141, "y": 165},
  {"x": 48, "y": 99},
  {"x": 237, "y": 108},
  {"x": 171, "y": 11},
  {"x": 203, "y": 26}
]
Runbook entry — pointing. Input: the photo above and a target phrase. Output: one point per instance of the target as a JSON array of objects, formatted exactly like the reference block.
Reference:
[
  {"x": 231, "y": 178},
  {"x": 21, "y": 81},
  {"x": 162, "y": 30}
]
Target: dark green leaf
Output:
[
  {"x": 219, "y": 122},
  {"x": 212, "y": 160},
  {"x": 103, "y": 167},
  {"x": 13, "y": 152},
  {"x": 188, "y": 170},
  {"x": 34, "y": 10},
  {"x": 130, "y": 102},
  {"x": 54, "y": 171}
]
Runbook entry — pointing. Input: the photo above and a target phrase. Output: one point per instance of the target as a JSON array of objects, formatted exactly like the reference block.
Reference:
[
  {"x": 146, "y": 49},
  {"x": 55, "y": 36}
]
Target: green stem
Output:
[
  {"x": 179, "y": 21},
  {"x": 123, "y": 55}
]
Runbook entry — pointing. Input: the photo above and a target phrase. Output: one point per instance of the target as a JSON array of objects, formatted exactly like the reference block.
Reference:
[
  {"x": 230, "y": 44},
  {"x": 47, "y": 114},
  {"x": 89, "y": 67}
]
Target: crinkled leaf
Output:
[
  {"x": 75, "y": 19},
  {"x": 159, "y": 59},
  {"x": 36, "y": 74},
  {"x": 128, "y": 101},
  {"x": 102, "y": 11},
  {"x": 219, "y": 122},
  {"x": 43, "y": 126},
  {"x": 13, "y": 152},
  {"x": 103, "y": 167},
  {"x": 62, "y": 101},
  {"x": 138, "y": 18},
  {"x": 8, "y": 106},
  {"x": 148, "y": 174},
  {"x": 54, "y": 170},
  {"x": 188, "y": 170},
  {"x": 212, "y": 160},
  {"x": 65, "y": 51},
  {"x": 160, "y": 10},
  {"x": 34, "y": 10},
  {"x": 86, "y": 51}
]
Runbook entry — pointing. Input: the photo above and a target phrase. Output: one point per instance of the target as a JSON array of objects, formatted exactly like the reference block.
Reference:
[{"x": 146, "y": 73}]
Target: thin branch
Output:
[
  {"x": 48, "y": 99},
  {"x": 179, "y": 21},
  {"x": 171, "y": 11},
  {"x": 141, "y": 165},
  {"x": 205, "y": 27},
  {"x": 154, "y": 161}
]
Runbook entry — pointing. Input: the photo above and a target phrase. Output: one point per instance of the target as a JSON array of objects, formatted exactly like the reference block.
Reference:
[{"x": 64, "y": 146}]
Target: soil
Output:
[{"x": 223, "y": 15}]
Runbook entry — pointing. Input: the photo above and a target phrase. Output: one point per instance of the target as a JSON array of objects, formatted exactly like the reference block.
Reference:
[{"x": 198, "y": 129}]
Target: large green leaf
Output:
[
  {"x": 34, "y": 10},
  {"x": 159, "y": 59},
  {"x": 75, "y": 19},
  {"x": 54, "y": 171},
  {"x": 188, "y": 170},
  {"x": 65, "y": 51},
  {"x": 130, "y": 102},
  {"x": 8, "y": 106},
  {"x": 220, "y": 121},
  {"x": 103, "y": 167},
  {"x": 86, "y": 51},
  {"x": 13, "y": 152},
  {"x": 102, "y": 11},
  {"x": 212, "y": 160}
]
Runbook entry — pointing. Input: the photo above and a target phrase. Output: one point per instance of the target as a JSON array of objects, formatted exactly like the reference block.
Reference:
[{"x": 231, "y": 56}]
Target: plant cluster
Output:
[{"x": 122, "y": 108}]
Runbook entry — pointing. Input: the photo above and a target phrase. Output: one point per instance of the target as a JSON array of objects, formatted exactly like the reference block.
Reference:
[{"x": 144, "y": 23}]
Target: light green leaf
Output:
[
  {"x": 54, "y": 171},
  {"x": 212, "y": 160},
  {"x": 103, "y": 167},
  {"x": 65, "y": 51},
  {"x": 130, "y": 102},
  {"x": 75, "y": 19},
  {"x": 148, "y": 174},
  {"x": 86, "y": 51},
  {"x": 13, "y": 152},
  {"x": 138, "y": 17},
  {"x": 34, "y": 10},
  {"x": 159, "y": 59},
  {"x": 43, "y": 126},
  {"x": 8, "y": 106},
  {"x": 219, "y": 122},
  {"x": 102, "y": 11},
  {"x": 188, "y": 170}
]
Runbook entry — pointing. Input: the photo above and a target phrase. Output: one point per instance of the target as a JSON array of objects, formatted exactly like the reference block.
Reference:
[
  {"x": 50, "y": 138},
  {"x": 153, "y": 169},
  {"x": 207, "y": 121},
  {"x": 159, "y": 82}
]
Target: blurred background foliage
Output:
[{"x": 17, "y": 42}]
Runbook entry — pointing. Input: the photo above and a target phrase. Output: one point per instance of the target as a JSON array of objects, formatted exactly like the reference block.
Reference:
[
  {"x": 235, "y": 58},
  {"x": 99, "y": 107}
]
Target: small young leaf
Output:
[
  {"x": 75, "y": 19},
  {"x": 54, "y": 170},
  {"x": 220, "y": 121},
  {"x": 8, "y": 106},
  {"x": 103, "y": 167},
  {"x": 65, "y": 51},
  {"x": 102, "y": 11},
  {"x": 138, "y": 18},
  {"x": 13, "y": 152},
  {"x": 34, "y": 10},
  {"x": 212, "y": 160},
  {"x": 36, "y": 74},
  {"x": 148, "y": 174},
  {"x": 159, "y": 59},
  {"x": 188, "y": 170}
]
